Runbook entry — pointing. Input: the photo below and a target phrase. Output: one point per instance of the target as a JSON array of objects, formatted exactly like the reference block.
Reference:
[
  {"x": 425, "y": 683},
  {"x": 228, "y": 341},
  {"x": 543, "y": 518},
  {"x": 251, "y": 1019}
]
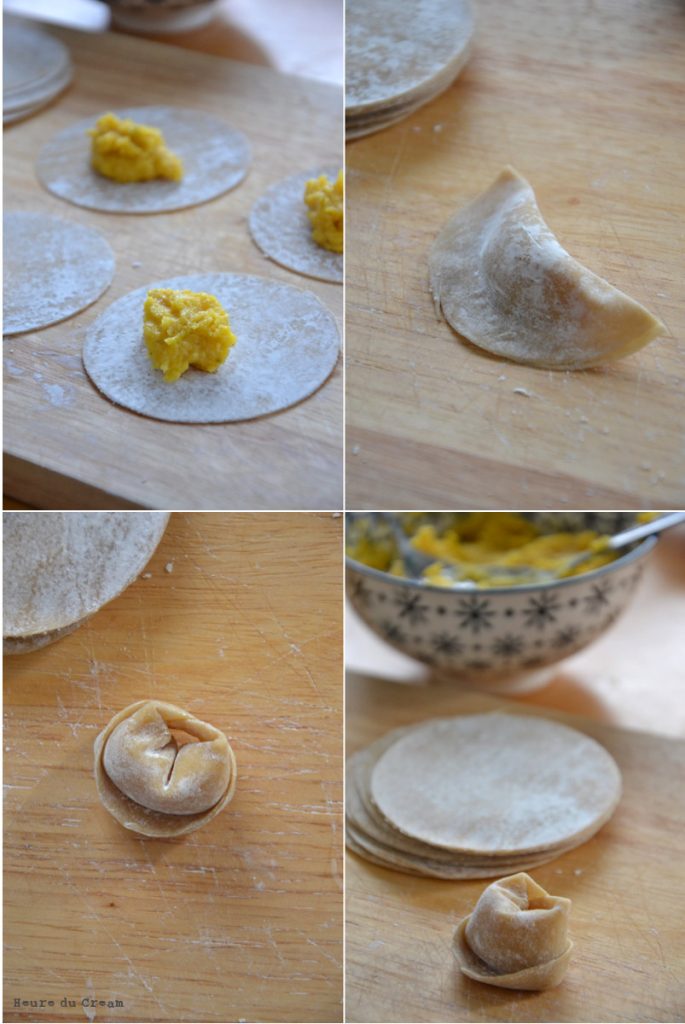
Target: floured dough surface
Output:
[
  {"x": 215, "y": 159},
  {"x": 36, "y": 67},
  {"x": 505, "y": 283},
  {"x": 30, "y": 56},
  {"x": 402, "y": 52},
  {"x": 496, "y": 784},
  {"x": 61, "y": 567},
  {"x": 24, "y": 645},
  {"x": 371, "y": 835},
  {"x": 287, "y": 345},
  {"x": 162, "y": 772},
  {"x": 53, "y": 269},
  {"x": 454, "y": 868},
  {"x": 366, "y": 819},
  {"x": 280, "y": 227},
  {"x": 358, "y": 127}
]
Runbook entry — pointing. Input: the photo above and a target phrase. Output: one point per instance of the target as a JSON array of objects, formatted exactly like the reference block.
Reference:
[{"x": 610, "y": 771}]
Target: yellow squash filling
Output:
[
  {"x": 479, "y": 547},
  {"x": 185, "y": 329},
  {"x": 126, "y": 151},
  {"x": 324, "y": 201}
]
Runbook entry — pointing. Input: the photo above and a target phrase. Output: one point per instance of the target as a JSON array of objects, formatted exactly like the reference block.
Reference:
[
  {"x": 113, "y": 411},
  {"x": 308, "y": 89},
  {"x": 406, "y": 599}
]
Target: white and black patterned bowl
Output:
[
  {"x": 150, "y": 16},
  {"x": 502, "y": 639}
]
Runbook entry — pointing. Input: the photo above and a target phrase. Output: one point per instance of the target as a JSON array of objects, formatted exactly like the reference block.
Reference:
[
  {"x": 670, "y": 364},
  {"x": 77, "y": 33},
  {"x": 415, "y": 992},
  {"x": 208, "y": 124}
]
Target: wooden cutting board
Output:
[
  {"x": 583, "y": 99},
  {"x": 73, "y": 448},
  {"x": 237, "y": 618},
  {"x": 626, "y": 885}
]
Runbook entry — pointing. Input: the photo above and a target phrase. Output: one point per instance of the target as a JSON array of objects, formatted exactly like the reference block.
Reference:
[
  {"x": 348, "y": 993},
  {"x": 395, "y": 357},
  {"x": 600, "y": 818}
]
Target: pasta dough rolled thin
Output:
[
  {"x": 495, "y": 785},
  {"x": 373, "y": 836}
]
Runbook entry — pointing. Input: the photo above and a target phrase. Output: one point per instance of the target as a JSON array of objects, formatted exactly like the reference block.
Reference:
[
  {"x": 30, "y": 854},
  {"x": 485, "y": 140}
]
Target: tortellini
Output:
[
  {"x": 516, "y": 937},
  {"x": 162, "y": 772}
]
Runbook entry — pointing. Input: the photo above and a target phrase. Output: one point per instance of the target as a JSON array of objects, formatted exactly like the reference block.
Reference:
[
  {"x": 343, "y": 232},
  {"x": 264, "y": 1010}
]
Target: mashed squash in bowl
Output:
[
  {"x": 493, "y": 606},
  {"x": 488, "y": 549}
]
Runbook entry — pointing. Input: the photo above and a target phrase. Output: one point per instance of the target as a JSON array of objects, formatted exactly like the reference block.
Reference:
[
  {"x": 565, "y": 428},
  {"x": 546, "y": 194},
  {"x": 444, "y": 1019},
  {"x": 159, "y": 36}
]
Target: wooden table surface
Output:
[
  {"x": 237, "y": 618},
  {"x": 622, "y": 882},
  {"x": 626, "y": 885},
  {"x": 583, "y": 99},
  {"x": 77, "y": 450}
]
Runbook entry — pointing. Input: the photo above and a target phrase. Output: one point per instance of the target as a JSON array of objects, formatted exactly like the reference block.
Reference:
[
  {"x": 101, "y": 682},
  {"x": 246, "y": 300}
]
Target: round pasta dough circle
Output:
[
  {"x": 61, "y": 567},
  {"x": 53, "y": 269},
  {"x": 36, "y": 99},
  {"x": 402, "y": 52},
  {"x": 280, "y": 226},
  {"x": 357, "y": 129},
  {"x": 367, "y": 820},
  {"x": 215, "y": 159},
  {"x": 30, "y": 58},
  {"x": 496, "y": 783},
  {"x": 287, "y": 346},
  {"x": 459, "y": 866},
  {"x": 36, "y": 67},
  {"x": 372, "y": 836}
]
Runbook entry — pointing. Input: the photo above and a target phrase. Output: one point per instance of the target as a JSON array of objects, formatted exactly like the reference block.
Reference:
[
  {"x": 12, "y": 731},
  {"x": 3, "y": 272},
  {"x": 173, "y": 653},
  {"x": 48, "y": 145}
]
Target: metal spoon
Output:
[
  {"x": 415, "y": 561},
  {"x": 626, "y": 537}
]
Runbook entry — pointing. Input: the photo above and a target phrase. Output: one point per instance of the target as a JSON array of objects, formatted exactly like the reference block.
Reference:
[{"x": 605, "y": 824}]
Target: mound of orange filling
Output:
[
  {"x": 324, "y": 201},
  {"x": 126, "y": 151},
  {"x": 183, "y": 328}
]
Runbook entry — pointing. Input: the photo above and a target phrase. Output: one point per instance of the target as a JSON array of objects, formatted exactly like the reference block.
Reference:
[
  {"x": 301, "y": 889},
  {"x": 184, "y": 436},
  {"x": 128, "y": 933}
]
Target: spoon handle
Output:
[{"x": 634, "y": 533}]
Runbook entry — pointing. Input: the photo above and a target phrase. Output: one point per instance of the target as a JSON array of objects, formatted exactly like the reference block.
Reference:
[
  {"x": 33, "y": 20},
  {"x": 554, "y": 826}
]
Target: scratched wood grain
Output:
[
  {"x": 583, "y": 99},
  {"x": 66, "y": 446},
  {"x": 237, "y": 618},
  {"x": 625, "y": 883}
]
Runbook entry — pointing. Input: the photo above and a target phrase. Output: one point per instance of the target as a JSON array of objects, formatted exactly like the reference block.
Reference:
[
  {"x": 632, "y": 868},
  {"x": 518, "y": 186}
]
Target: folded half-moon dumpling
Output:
[
  {"x": 505, "y": 283},
  {"x": 516, "y": 937},
  {"x": 162, "y": 772}
]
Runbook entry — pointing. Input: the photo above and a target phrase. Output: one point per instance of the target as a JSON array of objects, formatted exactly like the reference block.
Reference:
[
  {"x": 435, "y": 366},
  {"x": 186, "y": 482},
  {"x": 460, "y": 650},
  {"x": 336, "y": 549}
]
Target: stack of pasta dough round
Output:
[
  {"x": 36, "y": 69},
  {"x": 400, "y": 56},
  {"x": 62, "y": 567},
  {"x": 477, "y": 795}
]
